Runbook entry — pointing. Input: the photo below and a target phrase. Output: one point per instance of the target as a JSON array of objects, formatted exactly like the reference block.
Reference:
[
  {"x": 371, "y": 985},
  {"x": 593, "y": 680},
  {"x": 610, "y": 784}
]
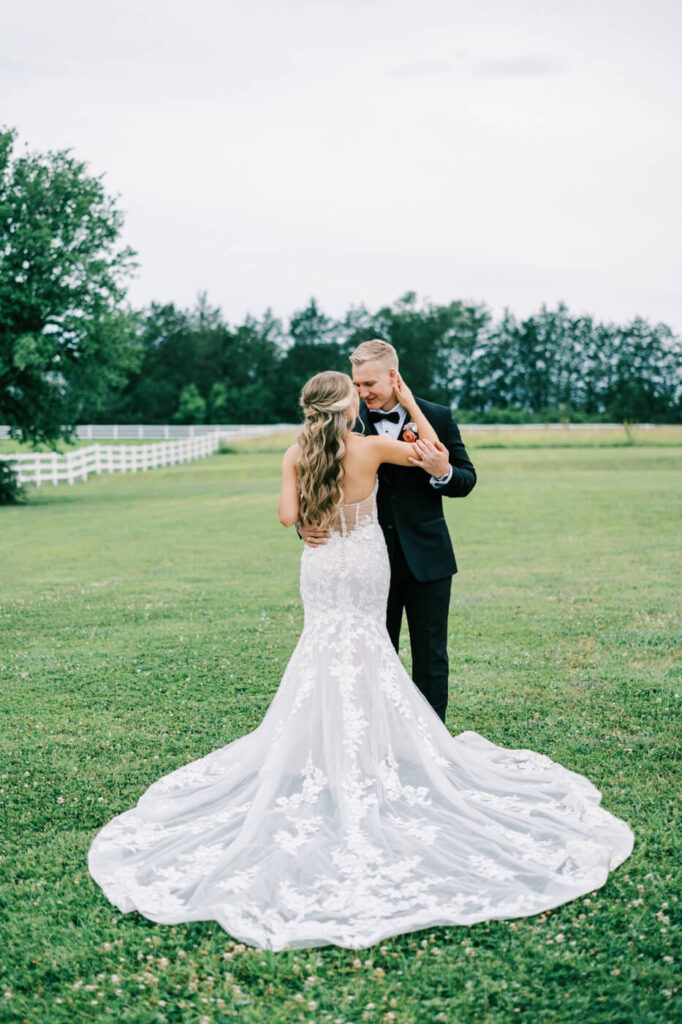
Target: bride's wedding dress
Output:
[{"x": 351, "y": 814}]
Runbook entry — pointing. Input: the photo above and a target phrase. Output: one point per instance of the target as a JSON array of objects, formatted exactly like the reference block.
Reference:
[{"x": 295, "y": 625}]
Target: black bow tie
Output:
[{"x": 376, "y": 416}]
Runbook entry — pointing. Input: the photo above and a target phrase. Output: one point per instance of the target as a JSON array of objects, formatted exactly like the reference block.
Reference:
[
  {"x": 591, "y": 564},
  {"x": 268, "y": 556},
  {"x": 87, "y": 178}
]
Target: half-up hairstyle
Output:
[{"x": 326, "y": 400}]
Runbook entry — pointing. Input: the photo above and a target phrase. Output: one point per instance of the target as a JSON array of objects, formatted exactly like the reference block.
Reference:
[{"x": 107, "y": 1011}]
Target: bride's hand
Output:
[{"x": 403, "y": 393}]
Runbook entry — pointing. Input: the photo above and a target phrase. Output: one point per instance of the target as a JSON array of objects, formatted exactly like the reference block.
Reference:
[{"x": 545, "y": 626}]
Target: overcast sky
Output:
[{"x": 511, "y": 152}]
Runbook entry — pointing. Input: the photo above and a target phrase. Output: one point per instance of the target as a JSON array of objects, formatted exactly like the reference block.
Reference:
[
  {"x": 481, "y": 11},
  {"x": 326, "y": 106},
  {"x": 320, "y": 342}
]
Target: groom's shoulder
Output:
[{"x": 431, "y": 409}]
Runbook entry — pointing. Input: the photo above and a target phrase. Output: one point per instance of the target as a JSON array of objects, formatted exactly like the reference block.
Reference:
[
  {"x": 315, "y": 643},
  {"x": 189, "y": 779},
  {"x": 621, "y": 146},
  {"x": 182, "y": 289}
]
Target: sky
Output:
[{"x": 505, "y": 152}]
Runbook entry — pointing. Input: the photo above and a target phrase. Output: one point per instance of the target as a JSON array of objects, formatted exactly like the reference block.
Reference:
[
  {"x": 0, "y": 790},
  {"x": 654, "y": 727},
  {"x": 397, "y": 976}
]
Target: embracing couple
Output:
[
  {"x": 350, "y": 814},
  {"x": 410, "y": 507}
]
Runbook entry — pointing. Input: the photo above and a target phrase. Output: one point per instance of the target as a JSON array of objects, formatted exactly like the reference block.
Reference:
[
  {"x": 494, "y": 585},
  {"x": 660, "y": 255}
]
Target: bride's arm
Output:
[
  {"x": 288, "y": 495},
  {"x": 425, "y": 431},
  {"x": 386, "y": 449}
]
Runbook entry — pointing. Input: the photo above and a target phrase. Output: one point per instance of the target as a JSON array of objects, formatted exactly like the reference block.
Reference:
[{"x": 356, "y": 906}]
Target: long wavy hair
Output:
[{"x": 326, "y": 400}]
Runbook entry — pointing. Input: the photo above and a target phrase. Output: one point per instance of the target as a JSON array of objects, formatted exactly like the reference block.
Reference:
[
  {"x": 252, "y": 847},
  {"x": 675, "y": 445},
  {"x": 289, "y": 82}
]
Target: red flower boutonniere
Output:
[{"x": 409, "y": 433}]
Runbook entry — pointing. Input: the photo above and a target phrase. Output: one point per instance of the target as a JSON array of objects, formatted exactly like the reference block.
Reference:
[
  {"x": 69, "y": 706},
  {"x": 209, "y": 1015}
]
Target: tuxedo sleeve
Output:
[{"x": 463, "y": 476}]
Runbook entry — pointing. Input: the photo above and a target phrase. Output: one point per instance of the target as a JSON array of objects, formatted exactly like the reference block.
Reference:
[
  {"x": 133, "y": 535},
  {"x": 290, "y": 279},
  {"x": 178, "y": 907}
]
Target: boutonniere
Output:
[{"x": 409, "y": 433}]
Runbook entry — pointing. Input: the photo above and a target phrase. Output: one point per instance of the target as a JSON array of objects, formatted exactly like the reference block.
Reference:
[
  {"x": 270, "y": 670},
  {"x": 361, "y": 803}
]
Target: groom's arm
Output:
[{"x": 462, "y": 477}]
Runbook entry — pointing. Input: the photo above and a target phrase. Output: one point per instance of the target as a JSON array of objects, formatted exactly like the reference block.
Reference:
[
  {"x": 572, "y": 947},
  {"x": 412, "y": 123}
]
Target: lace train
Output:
[{"x": 351, "y": 814}]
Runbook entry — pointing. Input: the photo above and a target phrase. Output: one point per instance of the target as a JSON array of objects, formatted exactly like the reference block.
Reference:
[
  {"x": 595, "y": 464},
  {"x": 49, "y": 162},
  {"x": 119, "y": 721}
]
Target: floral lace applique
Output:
[{"x": 350, "y": 814}]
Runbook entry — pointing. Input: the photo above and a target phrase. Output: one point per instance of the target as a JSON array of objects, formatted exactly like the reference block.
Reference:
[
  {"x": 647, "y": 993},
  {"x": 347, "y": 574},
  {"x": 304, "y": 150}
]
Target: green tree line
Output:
[
  {"x": 196, "y": 368},
  {"x": 72, "y": 350}
]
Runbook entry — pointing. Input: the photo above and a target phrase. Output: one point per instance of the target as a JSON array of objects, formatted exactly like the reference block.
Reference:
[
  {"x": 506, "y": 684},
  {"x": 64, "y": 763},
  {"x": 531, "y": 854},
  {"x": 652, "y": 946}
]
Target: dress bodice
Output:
[
  {"x": 353, "y": 514},
  {"x": 346, "y": 580}
]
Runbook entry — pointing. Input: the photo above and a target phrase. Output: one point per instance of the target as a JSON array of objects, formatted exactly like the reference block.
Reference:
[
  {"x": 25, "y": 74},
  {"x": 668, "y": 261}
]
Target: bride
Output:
[{"x": 351, "y": 814}]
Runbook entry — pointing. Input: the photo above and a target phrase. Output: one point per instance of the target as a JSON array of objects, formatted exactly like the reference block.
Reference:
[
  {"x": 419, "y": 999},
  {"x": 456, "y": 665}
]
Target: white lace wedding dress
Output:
[{"x": 351, "y": 814}]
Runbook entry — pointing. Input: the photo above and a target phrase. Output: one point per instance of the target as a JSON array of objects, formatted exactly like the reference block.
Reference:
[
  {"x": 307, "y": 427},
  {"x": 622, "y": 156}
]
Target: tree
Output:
[
  {"x": 643, "y": 372},
  {"x": 436, "y": 345},
  {"x": 11, "y": 491},
  {"x": 192, "y": 406},
  {"x": 416, "y": 338},
  {"x": 65, "y": 337},
  {"x": 315, "y": 345},
  {"x": 218, "y": 403},
  {"x": 151, "y": 395},
  {"x": 252, "y": 370},
  {"x": 465, "y": 336},
  {"x": 210, "y": 342}
]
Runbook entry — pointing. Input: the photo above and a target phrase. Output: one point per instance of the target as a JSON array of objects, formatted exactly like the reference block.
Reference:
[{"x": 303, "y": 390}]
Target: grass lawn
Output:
[
  {"x": 147, "y": 619},
  {"x": 491, "y": 437}
]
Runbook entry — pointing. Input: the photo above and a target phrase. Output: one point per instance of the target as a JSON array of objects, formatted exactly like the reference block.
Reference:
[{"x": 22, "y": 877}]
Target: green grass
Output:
[
  {"x": 146, "y": 620},
  {"x": 586, "y": 436},
  {"x": 624, "y": 436}
]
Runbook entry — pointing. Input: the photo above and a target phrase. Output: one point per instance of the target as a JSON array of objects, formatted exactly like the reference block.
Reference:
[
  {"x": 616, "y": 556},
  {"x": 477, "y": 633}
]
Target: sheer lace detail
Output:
[
  {"x": 352, "y": 515},
  {"x": 351, "y": 814}
]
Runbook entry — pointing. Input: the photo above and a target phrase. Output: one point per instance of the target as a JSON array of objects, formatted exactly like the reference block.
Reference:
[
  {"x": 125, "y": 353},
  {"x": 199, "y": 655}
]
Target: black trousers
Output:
[{"x": 426, "y": 606}]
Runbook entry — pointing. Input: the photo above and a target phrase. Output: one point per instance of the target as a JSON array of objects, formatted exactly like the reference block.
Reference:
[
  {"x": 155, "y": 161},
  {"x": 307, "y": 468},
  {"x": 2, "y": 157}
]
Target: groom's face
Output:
[{"x": 374, "y": 384}]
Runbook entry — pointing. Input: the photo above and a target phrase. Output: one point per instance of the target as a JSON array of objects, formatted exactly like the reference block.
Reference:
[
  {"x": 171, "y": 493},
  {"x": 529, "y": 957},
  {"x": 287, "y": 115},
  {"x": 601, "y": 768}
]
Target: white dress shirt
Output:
[{"x": 390, "y": 429}]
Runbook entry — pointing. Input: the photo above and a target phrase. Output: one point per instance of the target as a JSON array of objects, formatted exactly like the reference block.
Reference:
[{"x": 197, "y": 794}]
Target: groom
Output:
[{"x": 410, "y": 510}]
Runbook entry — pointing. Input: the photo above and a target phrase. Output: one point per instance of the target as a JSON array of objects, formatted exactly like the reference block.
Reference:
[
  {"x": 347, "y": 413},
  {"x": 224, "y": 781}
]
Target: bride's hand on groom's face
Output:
[
  {"x": 313, "y": 536},
  {"x": 402, "y": 393}
]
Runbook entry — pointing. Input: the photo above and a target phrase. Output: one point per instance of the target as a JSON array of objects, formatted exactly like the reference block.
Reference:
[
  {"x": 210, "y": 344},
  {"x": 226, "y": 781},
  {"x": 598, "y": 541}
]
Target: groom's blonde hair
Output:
[{"x": 377, "y": 349}]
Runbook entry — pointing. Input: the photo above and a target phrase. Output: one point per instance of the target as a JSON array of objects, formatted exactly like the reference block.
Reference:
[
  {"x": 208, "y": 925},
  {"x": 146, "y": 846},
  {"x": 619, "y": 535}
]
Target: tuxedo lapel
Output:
[{"x": 367, "y": 423}]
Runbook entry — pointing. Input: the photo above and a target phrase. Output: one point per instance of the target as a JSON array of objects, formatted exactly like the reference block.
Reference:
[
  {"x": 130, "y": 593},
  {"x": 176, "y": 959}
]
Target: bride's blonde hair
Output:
[{"x": 326, "y": 400}]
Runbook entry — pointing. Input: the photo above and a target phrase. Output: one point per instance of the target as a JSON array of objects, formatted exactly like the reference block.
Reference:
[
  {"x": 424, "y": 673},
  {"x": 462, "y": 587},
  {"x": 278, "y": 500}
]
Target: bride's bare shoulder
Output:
[
  {"x": 362, "y": 445},
  {"x": 373, "y": 442},
  {"x": 291, "y": 454},
  {"x": 362, "y": 439}
]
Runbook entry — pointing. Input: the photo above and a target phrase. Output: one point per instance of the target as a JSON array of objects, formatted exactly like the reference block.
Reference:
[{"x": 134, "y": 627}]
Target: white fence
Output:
[
  {"x": 52, "y": 467},
  {"x": 189, "y": 442},
  {"x": 242, "y": 431},
  {"x": 168, "y": 431}
]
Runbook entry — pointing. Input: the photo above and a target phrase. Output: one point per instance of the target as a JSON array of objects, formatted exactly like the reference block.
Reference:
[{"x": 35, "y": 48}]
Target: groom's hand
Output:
[
  {"x": 434, "y": 458},
  {"x": 313, "y": 535}
]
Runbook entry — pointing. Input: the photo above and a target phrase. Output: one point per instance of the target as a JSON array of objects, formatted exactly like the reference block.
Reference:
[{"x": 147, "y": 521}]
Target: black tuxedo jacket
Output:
[{"x": 410, "y": 509}]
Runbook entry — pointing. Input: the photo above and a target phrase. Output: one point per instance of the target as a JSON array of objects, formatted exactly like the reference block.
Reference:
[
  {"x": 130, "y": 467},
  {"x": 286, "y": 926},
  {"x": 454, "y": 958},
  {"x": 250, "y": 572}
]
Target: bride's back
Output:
[
  {"x": 353, "y": 514},
  {"x": 359, "y": 470}
]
